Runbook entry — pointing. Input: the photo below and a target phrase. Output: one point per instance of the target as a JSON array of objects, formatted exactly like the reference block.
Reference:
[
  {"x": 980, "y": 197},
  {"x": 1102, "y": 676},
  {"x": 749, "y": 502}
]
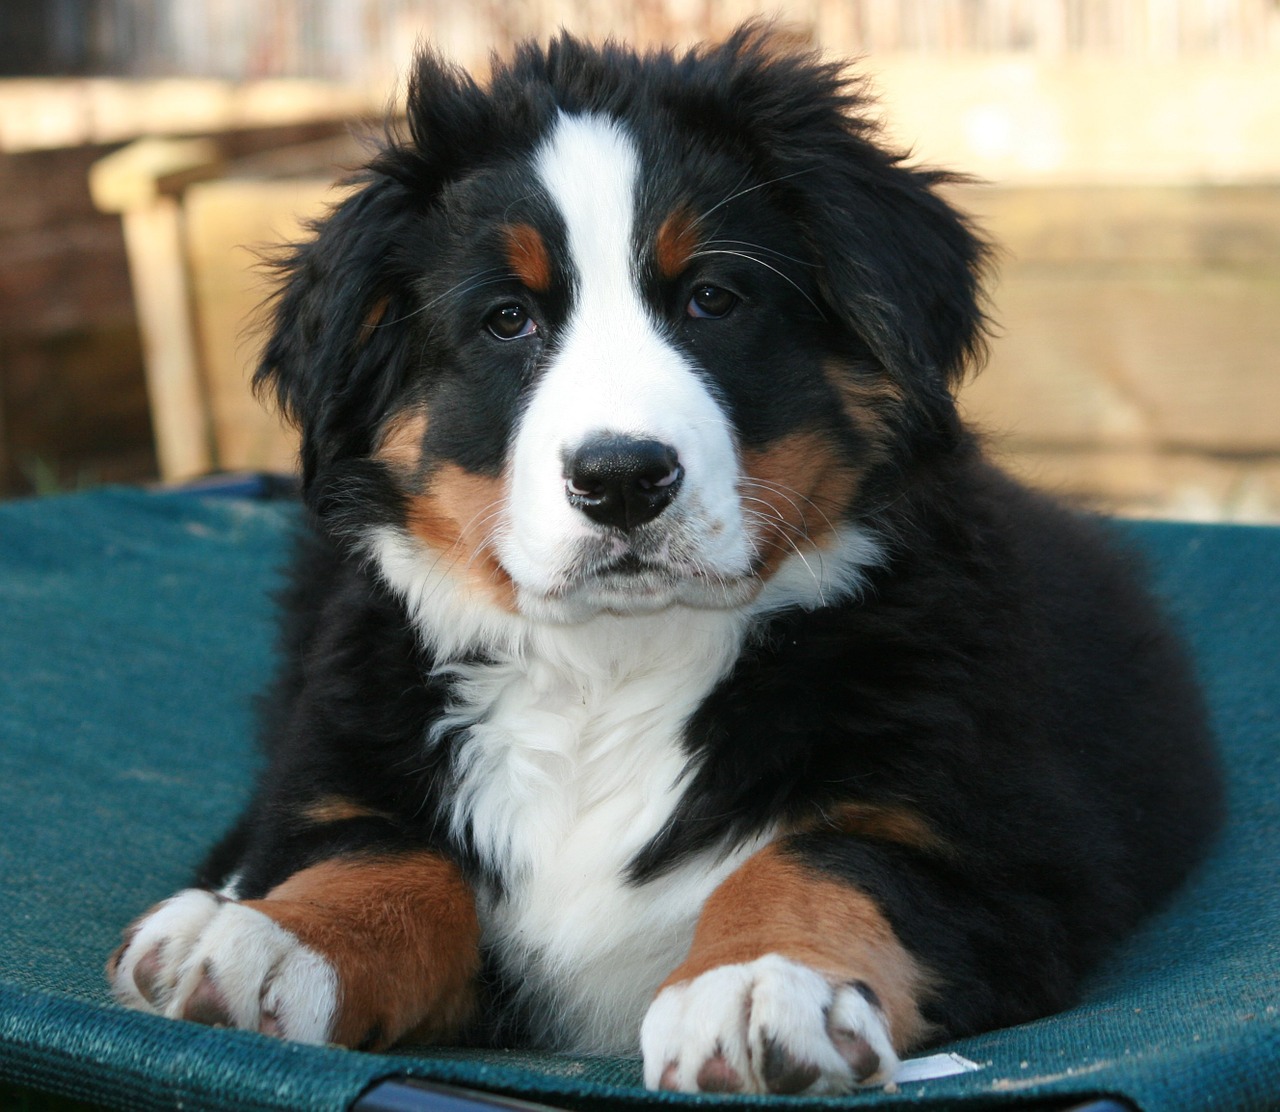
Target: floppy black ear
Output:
[
  {"x": 338, "y": 350},
  {"x": 899, "y": 266},
  {"x": 341, "y": 346}
]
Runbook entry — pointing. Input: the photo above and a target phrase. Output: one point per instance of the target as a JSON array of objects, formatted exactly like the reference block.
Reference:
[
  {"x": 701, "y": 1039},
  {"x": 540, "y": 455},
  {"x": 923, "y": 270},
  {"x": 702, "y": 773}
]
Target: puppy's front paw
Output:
[
  {"x": 202, "y": 957},
  {"x": 767, "y": 1026}
]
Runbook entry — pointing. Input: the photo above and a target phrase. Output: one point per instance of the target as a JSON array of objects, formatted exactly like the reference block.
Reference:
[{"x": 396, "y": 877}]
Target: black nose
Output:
[{"x": 622, "y": 481}]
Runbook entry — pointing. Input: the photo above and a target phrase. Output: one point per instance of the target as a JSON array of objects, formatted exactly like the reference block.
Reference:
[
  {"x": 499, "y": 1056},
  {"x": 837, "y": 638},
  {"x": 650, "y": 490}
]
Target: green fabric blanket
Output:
[{"x": 134, "y": 630}]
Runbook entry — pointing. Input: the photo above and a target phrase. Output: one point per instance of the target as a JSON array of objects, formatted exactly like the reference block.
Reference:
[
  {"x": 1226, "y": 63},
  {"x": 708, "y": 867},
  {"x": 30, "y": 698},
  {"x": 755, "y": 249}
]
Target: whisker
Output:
[
  {"x": 768, "y": 266},
  {"x": 487, "y": 541},
  {"x": 780, "y": 527},
  {"x": 787, "y": 492},
  {"x": 483, "y": 516},
  {"x": 803, "y": 526},
  {"x": 799, "y": 553},
  {"x": 773, "y": 515},
  {"x": 751, "y": 189},
  {"x": 759, "y": 247},
  {"x": 467, "y": 285},
  {"x": 453, "y": 553}
]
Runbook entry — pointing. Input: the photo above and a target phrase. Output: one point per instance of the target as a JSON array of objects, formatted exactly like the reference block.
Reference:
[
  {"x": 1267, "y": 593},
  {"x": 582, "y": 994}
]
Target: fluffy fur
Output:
[{"x": 664, "y": 655}]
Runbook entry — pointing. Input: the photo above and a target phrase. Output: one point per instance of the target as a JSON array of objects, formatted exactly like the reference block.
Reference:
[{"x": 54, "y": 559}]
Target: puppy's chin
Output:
[{"x": 623, "y": 593}]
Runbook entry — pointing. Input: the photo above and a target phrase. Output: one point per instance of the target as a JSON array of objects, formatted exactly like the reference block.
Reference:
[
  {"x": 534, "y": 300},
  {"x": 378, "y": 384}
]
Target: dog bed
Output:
[{"x": 135, "y": 628}]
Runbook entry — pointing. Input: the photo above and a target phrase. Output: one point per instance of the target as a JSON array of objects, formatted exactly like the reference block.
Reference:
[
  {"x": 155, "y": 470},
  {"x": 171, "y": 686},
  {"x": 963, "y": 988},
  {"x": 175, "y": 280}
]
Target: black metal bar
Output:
[{"x": 407, "y": 1094}]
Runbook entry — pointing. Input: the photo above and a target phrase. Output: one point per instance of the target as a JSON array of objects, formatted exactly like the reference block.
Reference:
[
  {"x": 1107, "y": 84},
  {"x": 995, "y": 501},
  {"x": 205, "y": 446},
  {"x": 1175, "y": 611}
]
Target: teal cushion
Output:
[{"x": 134, "y": 630}]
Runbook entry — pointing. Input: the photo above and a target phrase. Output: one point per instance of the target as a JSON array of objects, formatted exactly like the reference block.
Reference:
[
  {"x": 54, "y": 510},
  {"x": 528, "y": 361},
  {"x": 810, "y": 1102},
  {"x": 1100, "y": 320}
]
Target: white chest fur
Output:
[{"x": 573, "y": 763}]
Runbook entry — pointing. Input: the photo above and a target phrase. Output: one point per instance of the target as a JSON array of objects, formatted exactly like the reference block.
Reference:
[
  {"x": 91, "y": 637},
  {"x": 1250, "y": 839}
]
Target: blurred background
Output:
[{"x": 1127, "y": 151}]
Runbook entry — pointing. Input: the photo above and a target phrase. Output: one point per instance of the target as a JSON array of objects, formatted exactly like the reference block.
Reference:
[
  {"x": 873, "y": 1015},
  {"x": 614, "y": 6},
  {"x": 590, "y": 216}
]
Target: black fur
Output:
[{"x": 1003, "y": 676}]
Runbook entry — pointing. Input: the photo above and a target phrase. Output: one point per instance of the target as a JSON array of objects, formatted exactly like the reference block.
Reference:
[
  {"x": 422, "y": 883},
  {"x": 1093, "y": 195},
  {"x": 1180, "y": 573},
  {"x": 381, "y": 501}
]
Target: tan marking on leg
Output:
[
  {"x": 336, "y": 808},
  {"x": 401, "y": 934},
  {"x": 455, "y": 516},
  {"x": 676, "y": 242},
  {"x": 528, "y": 257},
  {"x": 899, "y": 825},
  {"x": 796, "y": 491},
  {"x": 776, "y": 905}
]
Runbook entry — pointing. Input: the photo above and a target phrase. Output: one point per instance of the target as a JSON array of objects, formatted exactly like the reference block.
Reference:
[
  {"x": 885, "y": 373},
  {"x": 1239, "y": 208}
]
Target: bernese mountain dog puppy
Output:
[{"x": 666, "y": 668}]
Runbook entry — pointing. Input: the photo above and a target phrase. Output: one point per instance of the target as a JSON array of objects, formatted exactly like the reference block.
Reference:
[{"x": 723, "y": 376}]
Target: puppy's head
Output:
[{"x": 616, "y": 333}]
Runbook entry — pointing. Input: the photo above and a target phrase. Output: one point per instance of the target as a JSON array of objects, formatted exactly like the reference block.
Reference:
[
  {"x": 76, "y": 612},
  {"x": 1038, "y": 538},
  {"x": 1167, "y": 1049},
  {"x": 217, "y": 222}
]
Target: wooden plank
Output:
[
  {"x": 1133, "y": 316},
  {"x": 1186, "y": 486},
  {"x": 1232, "y": 225},
  {"x": 74, "y": 410},
  {"x": 1176, "y": 356},
  {"x": 239, "y": 37},
  {"x": 230, "y": 224},
  {"x": 130, "y": 177},
  {"x": 48, "y": 113},
  {"x": 128, "y": 181},
  {"x": 1085, "y": 119},
  {"x": 8, "y": 470},
  {"x": 153, "y": 238}
]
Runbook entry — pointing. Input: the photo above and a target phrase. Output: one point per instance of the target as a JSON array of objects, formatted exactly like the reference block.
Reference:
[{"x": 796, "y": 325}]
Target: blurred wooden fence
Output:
[
  {"x": 366, "y": 41},
  {"x": 1133, "y": 147}
]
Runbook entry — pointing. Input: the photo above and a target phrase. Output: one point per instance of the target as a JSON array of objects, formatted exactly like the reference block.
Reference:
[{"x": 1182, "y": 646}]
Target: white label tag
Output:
[{"x": 932, "y": 1067}]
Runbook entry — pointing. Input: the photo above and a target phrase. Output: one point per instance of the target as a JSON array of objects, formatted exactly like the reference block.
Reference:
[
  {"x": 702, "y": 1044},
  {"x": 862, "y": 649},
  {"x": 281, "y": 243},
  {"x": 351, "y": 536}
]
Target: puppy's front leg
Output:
[
  {"x": 360, "y": 951},
  {"x": 794, "y": 983}
]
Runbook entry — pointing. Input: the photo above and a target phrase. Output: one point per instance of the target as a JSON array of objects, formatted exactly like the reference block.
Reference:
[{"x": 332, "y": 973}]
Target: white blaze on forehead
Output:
[
  {"x": 612, "y": 369},
  {"x": 624, "y": 375},
  {"x": 590, "y": 168}
]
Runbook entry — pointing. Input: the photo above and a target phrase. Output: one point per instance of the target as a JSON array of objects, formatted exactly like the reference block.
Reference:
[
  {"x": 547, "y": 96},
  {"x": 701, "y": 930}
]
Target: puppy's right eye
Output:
[
  {"x": 711, "y": 303},
  {"x": 510, "y": 322}
]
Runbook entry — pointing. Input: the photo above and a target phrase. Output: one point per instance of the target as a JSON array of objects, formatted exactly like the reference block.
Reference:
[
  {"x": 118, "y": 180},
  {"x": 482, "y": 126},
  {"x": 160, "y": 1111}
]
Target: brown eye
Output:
[
  {"x": 711, "y": 303},
  {"x": 510, "y": 322}
]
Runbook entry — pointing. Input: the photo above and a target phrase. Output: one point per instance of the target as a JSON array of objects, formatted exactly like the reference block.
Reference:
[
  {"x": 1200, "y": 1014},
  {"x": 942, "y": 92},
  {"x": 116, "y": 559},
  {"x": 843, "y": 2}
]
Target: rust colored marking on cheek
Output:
[
  {"x": 401, "y": 442},
  {"x": 866, "y": 403},
  {"x": 456, "y": 516},
  {"x": 528, "y": 256},
  {"x": 676, "y": 242},
  {"x": 402, "y": 935},
  {"x": 795, "y": 491},
  {"x": 774, "y": 904}
]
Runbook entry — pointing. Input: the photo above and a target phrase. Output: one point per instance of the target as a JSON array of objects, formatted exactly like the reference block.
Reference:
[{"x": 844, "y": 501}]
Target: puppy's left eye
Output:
[
  {"x": 711, "y": 303},
  {"x": 510, "y": 322}
]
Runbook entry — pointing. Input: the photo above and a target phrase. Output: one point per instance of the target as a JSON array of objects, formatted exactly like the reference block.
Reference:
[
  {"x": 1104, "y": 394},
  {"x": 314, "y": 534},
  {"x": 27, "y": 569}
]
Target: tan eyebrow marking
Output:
[
  {"x": 676, "y": 242},
  {"x": 528, "y": 256}
]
